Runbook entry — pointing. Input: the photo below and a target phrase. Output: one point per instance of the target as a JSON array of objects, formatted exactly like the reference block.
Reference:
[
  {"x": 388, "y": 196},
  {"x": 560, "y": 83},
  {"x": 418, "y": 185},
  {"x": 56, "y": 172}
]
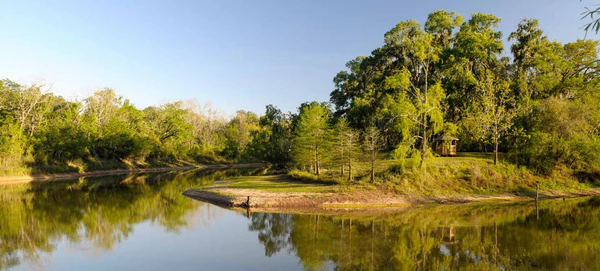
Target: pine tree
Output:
[
  {"x": 372, "y": 143},
  {"x": 346, "y": 141}
]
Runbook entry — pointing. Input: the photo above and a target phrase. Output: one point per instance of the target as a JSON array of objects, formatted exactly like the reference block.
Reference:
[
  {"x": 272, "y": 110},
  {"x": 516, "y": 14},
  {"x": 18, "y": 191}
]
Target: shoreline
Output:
[
  {"x": 237, "y": 198},
  {"x": 22, "y": 179}
]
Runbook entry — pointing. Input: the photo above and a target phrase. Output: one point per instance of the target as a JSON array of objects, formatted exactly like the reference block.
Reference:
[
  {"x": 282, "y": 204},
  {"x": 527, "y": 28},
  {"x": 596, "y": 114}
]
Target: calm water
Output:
[{"x": 144, "y": 223}]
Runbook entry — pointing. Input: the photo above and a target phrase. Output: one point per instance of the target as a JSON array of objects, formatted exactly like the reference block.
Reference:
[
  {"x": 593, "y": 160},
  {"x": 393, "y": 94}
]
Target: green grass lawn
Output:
[
  {"x": 464, "y": 174},
  {"x": 276, "y": 183}
]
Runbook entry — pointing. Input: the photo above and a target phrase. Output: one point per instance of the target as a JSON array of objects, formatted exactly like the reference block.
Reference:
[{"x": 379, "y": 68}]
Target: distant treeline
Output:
[
  {"x": 43, "y": 128},
  {"x": 540, "y": 105}
]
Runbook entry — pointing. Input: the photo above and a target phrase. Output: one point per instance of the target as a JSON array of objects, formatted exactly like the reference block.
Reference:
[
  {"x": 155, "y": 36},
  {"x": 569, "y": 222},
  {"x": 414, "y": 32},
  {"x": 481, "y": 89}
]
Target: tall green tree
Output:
[
  {"x": 272, "y": 142},
  {"x": 418, "y": 96},
  {"x": 477, "y": 48},
  {"x": 239, "y": 132},
  {"x": 169, "y": 129},
  {"x": 313, "y": 136},
  {"x": 492, "y": 116},
  {"x": 345, "y": 141},
  {"x": 371, "y": 145}
]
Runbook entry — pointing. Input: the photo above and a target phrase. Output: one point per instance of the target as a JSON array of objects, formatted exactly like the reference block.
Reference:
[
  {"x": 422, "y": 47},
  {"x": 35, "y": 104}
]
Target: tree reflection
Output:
[
  {"x": 486, "y": 237},
  {"x": 273, "y": 230},
  {"x": 100, "y": 212}
]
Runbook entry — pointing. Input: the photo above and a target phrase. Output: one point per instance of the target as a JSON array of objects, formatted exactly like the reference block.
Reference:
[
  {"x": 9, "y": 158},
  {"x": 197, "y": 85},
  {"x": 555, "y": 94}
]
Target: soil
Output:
[{"x": 230, "y": 197}]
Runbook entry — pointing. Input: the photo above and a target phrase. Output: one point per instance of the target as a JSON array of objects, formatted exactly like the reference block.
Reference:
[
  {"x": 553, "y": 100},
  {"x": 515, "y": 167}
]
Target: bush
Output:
[{"x": 303, "y": 176}]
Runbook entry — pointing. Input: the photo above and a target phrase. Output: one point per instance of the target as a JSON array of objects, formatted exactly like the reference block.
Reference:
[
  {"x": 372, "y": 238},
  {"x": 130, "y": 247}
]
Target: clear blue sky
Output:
[{"x": 236, "y": 54}]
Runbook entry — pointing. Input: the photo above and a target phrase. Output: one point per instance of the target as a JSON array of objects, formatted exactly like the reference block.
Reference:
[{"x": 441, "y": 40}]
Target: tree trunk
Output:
[
  {"x": 495, "y": 150},
  {"x": 317, "y": 168},
  {"x": 373, "y": 165},
  {"x": 424, "y": 141},
  {"x": 342, "y": 163},
  {"x": 349, "y": 168}
]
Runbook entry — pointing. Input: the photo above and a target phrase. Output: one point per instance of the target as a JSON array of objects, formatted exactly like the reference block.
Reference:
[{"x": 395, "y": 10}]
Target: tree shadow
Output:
[{"x": 589, "y": 177}]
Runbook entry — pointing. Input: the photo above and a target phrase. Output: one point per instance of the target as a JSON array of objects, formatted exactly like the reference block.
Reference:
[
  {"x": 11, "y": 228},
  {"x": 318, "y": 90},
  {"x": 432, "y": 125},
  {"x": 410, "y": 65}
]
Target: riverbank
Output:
[
  {"x": 468, "y": 177},
  {"x": 282, "y": 191},
  {"x": 20, "y": 179}
]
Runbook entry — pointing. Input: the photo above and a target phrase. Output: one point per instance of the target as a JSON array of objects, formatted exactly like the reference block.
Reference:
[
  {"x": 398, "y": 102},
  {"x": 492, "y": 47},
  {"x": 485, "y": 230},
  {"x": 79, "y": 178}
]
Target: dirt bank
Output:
[
  {"x": 20, "y": 179},
  {"x": 232, "y": 197},
  {"x": 239, "y": 198}
]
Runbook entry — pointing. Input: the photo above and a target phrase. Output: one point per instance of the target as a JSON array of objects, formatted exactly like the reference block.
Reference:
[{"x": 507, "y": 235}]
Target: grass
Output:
[
  {"x": 474, "y": 174},
  {"x": 468, "y": 174},
  {"x": 275, "y": 183}
]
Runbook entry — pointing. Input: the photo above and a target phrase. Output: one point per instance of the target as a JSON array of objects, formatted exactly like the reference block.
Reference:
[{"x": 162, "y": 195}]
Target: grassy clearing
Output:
[
  {"x": 275, "y": 183},
  {"x": 463, "y": 175},
  {"x": 398, "y": 183}
]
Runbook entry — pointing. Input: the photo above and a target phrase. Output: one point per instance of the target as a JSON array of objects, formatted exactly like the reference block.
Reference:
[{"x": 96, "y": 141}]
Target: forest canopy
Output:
[{"x": 540, "y": 104}]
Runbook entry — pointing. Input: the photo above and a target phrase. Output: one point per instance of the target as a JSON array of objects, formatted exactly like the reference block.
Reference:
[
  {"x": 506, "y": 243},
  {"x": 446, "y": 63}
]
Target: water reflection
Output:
[
  {"x": 97, "y": 213},
  {"x": 564, "y": 236},
  {"x": 104, "y": 215}
]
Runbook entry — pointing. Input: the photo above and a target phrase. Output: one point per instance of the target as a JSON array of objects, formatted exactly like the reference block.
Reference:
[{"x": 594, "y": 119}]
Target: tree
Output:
[
  {"x": 417, "y": 99},
  {"x": 272, "y": 142},
  {"x": 356, "y": 96},
  {"x": 561, "y": 126},
  {"x": 346, "y": 141},
  {"x": 493, "y": 115},
  {"x": 594, "y": 25},
  {"x": 312, "y": 136},
  {"x": 169, "y": 129},
  {"x": 101, "y": 107},
  {"x": 64, "y": 137},
  {"x": 239, "y": 132},
  {"x": 207, "y": 133},
  {"x": 32, "y": 106},
  {"x": 372, "y": 143},
  {"x": 441, "y": 24},
  {"x": 536, "y": 64},
  {"x": 477, "y": 48}
]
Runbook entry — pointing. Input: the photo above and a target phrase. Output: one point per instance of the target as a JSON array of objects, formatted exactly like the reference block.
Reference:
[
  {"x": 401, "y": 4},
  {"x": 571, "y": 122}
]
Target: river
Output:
[{"x": 142, "y": 222}]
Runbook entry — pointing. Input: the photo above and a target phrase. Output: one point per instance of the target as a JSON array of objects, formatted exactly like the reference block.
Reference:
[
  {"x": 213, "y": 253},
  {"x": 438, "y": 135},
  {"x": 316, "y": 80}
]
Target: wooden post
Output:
[{"x": 248, "y": 202}]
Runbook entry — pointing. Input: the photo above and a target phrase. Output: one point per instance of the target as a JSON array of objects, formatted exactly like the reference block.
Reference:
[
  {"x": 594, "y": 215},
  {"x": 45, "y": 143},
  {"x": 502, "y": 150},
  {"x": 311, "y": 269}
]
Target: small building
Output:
[{"x": 445, "y": 145}]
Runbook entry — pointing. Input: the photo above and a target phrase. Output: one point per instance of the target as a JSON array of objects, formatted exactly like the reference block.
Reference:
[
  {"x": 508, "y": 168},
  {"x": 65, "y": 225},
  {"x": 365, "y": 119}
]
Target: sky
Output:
[{"x": 234, "y": 54}]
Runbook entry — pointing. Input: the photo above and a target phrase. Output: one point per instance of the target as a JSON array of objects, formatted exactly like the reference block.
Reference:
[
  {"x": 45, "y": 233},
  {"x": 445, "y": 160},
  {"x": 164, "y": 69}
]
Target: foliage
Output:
[
  {"x": 346, "y": 145},
  {"x": 312, "y": 137},
  {"x": 238, "y": 134},
  {"x": 41, "y": 130},
  {"x": 271, "y": 143},
  {"x": 594, "y": 25},
  {"x": 450, "y": 77},
  {"x": 371, "y": 145}
]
